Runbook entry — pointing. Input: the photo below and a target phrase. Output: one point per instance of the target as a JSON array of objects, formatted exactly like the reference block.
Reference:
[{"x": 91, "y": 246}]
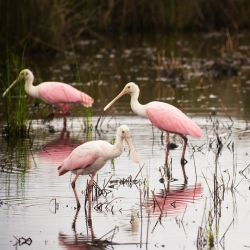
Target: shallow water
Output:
[
  {"x": 37, "y": 203},
  {"x": 129, "y": 213}
]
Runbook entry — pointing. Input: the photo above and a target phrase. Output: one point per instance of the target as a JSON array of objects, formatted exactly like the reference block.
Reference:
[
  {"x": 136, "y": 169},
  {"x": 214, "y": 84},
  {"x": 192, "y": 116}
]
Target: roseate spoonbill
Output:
[
  {"x": 91, "y": 156},
  {"x": 163, "y": 116},
  {"x": 59, "y": 94}
]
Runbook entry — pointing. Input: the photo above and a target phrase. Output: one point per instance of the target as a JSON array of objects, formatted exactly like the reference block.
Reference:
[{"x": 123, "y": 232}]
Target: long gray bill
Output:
[{"x": 8, "y": 89}]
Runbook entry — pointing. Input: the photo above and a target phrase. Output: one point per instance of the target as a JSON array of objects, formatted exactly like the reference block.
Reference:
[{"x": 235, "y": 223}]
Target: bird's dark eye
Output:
[
  {"x": 129, "y": 87},
  {"x": 123, "y": 131}
]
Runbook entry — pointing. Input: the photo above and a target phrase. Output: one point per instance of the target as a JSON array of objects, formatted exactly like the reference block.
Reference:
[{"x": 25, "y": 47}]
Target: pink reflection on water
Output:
[
  {"x": 175, "y": 200},
  {"x": 58, "y": 149}
]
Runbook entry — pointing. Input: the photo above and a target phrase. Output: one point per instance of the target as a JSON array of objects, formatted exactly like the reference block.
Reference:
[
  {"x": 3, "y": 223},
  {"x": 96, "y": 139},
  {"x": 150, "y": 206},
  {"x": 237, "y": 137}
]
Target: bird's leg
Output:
[
  {"x": 49, "y": 117},
  {"x": 90, "y": 185},
  {"x": 73, "y": 184},
  {"x": 166, "y": 157},
  {"x": 74, "y": 221},
  {"x": 90, "y": 225},
  {"x": 64, "y": 122},
  {"x": 167, "y": 148},
  {"x": 183, "y": 160}
]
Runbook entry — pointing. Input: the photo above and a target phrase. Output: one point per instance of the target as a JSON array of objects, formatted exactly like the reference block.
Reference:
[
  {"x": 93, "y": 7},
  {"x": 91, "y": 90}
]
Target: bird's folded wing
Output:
[
  {"x": 169, "y": 118},
  {"x": 79, "y": 159},
  {"x": 56, "y": 92}
]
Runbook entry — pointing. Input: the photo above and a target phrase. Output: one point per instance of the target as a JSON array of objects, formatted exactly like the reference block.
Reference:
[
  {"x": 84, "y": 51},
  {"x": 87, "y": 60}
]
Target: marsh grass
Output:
[
  {"x": 210, "y": 233},
  {"x": 86, "y": 111},
  {"x": 222, "y": 182},
  {"x": 48, "y": 26},
  {"x": 16, "y": 113}
]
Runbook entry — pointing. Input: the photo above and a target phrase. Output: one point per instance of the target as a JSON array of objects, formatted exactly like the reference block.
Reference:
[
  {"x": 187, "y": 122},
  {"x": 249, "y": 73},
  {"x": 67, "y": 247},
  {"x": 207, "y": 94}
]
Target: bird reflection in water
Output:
[
  {"x": 54, "y": 152},
  {"x": 88, "y": 240},
  {"x": 174, "y": 201}
]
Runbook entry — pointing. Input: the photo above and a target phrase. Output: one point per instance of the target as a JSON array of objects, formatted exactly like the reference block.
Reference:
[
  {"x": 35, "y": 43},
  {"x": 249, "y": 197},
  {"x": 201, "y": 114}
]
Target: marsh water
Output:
[{"x": 134, "y": 205}]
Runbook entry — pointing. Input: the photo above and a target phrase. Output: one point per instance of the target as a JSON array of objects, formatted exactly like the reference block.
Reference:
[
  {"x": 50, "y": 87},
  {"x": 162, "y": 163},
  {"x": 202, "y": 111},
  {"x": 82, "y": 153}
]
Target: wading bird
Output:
[
  {"x": 91, "y": 156},
  {"x": 163, "y": 116},
  {"x": 59, "y": 94}
]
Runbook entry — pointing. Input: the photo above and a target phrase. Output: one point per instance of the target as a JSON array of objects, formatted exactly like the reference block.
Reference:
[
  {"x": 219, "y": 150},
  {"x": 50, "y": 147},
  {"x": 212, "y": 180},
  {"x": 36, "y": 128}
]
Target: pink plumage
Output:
[
  {"x": 63, "y": 95},
  {"x": 163, "y": 116},
  {"x": 60, "y": 94},
  {"x": 169, "y": 118},
  {"x": 91, "y": 156},
  {"x": 81, "y": 157}
]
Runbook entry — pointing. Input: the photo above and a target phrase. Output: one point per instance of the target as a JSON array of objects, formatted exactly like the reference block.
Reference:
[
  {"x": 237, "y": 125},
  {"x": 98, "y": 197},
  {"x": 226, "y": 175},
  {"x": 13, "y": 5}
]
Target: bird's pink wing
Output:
[
  {"x": 58, "y": 93},
  {"x": 80, "y": 157},
  {"x": 169, "y": 118}
]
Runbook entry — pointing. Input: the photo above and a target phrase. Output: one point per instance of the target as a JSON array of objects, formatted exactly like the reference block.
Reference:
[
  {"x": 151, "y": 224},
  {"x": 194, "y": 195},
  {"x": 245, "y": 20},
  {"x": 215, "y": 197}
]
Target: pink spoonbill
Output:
[
  {"x": 59, "y": 94},
  {"x": 91, "y": 156},
  {"x": 163, "y": 116}
]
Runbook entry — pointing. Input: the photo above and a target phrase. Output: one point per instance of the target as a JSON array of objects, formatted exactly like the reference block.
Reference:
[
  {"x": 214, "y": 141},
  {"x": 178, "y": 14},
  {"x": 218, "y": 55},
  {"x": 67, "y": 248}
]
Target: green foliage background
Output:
[{"x": 49, "y": 25}]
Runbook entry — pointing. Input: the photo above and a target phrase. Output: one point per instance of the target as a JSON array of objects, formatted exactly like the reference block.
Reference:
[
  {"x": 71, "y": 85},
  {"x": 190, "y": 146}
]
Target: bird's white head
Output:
[
  {"x": 130, "y": 88},
  {"x": 25, "y": 75},
  {"x": 123, "y": 132}
]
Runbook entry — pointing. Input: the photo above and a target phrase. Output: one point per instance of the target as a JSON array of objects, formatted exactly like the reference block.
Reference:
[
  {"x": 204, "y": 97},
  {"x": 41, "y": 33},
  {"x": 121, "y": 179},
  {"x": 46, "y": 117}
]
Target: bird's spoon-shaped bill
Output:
[
  {"x": 10, "y": 87},
  {"x": 123, "y": 92},
  {"x": 133, "y": 153}
]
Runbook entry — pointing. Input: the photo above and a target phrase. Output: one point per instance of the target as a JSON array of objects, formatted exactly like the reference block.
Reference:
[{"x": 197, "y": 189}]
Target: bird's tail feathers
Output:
[
  {"x": 87, "y": 101},
  {"x": 61, "y": 171},
  {"x": 196, "y": 131}
]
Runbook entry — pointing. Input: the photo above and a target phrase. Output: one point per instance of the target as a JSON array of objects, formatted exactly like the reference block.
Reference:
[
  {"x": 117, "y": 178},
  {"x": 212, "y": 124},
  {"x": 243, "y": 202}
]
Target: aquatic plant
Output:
[
  {"x": 210, "y": 234},
  {"x": 87, "y": 111},
  {"x": 16, "y": 115}
]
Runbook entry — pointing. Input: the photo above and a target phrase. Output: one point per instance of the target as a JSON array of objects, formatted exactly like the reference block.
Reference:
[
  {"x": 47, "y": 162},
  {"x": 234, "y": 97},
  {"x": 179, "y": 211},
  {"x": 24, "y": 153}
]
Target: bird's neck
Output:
[
  {"x": 117, "y": 147},
  {"x": 137, "y": 108},
  {"x": 30, "y": 89}
]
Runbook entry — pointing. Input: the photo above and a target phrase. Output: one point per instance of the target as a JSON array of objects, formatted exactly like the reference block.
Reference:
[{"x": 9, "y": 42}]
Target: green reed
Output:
[
  {"x": 87, "y": 112},
  {"x": 16, "y": 115}
]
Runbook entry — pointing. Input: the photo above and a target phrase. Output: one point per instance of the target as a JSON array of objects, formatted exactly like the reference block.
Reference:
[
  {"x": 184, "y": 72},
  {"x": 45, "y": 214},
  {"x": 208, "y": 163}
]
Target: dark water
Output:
[{"x": 38, "y": 205}]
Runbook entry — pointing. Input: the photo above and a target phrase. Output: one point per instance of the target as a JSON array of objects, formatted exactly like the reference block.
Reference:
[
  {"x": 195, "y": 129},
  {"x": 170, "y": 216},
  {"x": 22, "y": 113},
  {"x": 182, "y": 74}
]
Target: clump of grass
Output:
[
  {"x": 88, "y": 119},
  {"x": 210, "y": 234},
  {"x": 206, "y": 235},
  {"x": 16, "y": 115}
]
